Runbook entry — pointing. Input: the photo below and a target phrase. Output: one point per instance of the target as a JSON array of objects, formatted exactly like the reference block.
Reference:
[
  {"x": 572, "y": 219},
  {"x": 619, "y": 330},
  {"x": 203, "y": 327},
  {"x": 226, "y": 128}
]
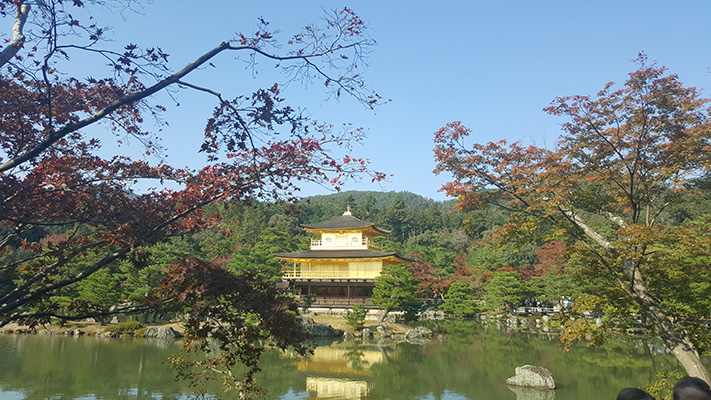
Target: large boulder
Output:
[
  {"x": 161, "y": 332},
  {"x": 532, "y": 376},
  {"x": 322, "y": 330},
  {"x": 306, "y": 320},
  {"x": 418, "y": 335},
  {"x": 418, "y": 332}
]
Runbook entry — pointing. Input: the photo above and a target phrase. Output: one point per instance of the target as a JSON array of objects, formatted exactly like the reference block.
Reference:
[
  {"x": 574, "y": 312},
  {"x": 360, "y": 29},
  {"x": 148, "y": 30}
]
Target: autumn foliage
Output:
[
  {"x": 57, "y": 180},
  {"x": 241, "y": 316},
  {"x": 625, "y": 158}
]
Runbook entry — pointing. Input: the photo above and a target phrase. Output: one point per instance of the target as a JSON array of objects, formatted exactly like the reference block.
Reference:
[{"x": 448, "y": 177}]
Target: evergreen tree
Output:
[
  {"x": 395, "y": 218},
  {"x": 356, "y": 317},
  {"x": 368, "y": 210},
  {"x": 505, "y": 288},
  {"x": 258, "y": 259},
  {"x": 395, "y": 289},
  {"x": 460, "y": 300}
]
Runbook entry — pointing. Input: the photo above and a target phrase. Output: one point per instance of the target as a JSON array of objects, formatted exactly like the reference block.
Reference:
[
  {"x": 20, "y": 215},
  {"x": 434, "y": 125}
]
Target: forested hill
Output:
[{"x": 380, "y": 200}]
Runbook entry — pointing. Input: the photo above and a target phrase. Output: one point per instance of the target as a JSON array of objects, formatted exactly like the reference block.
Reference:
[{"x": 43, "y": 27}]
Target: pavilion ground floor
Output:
[{"x": 333, "y": 293}]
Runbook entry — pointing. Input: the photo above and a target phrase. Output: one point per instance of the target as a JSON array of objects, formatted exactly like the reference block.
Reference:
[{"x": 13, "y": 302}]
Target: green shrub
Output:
[
  {"x": 307, "y": 301},
  {"x": 356, "y": 317},
  {"x": 124, "y": 327},
  {"x": 139, "y": 332},
  {"x": 663, "y": 384}
]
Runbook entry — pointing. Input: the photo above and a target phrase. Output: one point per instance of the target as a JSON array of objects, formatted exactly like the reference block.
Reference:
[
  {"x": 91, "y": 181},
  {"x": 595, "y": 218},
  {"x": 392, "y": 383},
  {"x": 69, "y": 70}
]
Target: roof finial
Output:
[{"x": 348, "y": 211}]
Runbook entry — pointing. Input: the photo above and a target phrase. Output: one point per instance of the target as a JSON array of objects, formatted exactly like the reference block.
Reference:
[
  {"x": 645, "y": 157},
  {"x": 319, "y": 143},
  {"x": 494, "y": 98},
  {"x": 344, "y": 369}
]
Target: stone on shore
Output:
[
  {"x": 161, "y": 332},
  {"x": 320, "y": 330},
  {"x": 533, "y": 377}
]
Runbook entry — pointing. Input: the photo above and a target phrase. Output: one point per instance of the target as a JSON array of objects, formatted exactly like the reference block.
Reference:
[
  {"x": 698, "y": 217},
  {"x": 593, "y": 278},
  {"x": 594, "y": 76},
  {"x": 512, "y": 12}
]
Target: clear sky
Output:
[{"x": 492, "y": 64}]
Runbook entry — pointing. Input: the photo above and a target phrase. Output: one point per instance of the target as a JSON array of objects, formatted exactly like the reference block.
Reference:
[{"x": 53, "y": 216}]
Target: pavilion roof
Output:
[{"x": 344, "y": 222}]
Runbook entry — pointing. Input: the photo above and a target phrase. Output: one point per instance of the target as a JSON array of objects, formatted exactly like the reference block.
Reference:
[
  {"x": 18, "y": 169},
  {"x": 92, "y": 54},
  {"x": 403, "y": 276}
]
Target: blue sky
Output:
[{"x": 492, "y": 64}]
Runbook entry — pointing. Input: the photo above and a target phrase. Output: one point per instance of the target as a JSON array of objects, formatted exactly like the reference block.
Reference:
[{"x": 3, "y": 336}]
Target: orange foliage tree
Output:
[{"x": 625, "y": 156}]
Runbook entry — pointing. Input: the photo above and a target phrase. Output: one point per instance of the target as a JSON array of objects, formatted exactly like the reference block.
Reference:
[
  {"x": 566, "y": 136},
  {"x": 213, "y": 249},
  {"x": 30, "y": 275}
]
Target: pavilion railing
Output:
[
  {"x": 328, "y": 275},
  {"x": 322, "y": 301},
  {"x": 345, "y": 244}
]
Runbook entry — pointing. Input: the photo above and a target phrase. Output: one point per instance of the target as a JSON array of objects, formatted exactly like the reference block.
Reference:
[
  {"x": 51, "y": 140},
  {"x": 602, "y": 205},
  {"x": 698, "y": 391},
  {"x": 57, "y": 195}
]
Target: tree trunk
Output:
[
  {"x": 385, "y": 314},
  {"x": 689, "y": 359},
  {"x": 678, "y": 342}
]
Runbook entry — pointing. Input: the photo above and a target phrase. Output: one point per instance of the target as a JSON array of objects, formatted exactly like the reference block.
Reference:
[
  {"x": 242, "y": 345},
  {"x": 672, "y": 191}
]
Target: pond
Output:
[{"x": 471, "y": 361}]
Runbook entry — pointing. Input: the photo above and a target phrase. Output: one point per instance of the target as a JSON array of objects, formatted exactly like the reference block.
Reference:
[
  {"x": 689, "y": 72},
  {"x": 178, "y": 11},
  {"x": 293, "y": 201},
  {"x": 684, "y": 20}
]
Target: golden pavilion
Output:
[{"x": 340, "y": 267}]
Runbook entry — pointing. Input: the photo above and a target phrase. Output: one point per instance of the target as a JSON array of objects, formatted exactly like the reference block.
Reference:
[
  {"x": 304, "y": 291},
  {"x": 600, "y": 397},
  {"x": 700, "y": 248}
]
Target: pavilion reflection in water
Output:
[{"x": 340, "y": 372}]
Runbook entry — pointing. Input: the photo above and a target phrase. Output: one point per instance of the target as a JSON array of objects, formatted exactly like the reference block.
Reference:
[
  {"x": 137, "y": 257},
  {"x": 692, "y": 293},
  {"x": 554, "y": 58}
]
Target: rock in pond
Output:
[
  {"x": 418, "y": 332},
  {"x": 533, "y": 377},
  {"x": 418, "y": 335}
]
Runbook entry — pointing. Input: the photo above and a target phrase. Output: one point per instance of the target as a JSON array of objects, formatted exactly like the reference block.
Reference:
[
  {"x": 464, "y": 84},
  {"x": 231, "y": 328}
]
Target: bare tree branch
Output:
[{"x": 53, "y": 137}]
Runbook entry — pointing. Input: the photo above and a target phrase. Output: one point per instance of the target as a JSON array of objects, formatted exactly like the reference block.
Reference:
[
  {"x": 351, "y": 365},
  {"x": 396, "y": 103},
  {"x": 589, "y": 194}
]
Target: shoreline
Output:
[
  {"x": 78, "y": 328},
  {"x": 92, "y": 328}
]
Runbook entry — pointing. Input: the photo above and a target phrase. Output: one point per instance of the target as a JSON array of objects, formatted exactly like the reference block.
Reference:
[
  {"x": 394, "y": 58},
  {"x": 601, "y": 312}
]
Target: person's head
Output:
[
  {"x": 634, "y": 394},
  {"x": 691, "y": 388}
]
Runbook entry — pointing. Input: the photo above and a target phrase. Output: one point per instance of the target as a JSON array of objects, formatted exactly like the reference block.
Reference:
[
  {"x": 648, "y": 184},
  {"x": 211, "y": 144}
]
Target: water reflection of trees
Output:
[
  {"x": 478, "y": 358},
  {"x": 356, "y": 357},
  {"x": 473, "y": 361},
  {"x": 74, "y": 367}
]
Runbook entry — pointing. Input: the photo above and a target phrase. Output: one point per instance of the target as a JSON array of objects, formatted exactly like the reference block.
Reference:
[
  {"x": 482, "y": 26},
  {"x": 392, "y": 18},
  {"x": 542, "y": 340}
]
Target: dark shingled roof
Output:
[
  {"x": 316, "y": 254},
  {"x": 345, "y": 221}
]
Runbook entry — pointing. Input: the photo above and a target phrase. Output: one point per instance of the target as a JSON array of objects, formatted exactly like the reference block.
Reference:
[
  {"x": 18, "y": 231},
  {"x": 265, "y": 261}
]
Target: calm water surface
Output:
[{"x": 471, "y": 363}]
